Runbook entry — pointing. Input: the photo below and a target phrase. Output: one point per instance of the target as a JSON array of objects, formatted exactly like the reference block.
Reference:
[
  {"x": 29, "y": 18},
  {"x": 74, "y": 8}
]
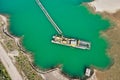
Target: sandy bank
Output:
[
  {"x": 110, "y": 6},
  {"x": 6, "y": 60}
]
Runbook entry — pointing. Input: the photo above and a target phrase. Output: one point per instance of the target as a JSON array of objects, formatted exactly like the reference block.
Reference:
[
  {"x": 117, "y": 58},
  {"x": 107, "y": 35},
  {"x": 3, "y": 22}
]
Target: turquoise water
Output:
[{"x": 27, "y": 19}]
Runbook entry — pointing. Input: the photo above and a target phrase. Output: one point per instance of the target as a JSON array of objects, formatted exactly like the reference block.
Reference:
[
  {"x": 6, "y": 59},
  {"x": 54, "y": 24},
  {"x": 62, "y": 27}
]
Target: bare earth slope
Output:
[
  {"x": 110, "y": 9},
  {"x": 113, "y": 35}
]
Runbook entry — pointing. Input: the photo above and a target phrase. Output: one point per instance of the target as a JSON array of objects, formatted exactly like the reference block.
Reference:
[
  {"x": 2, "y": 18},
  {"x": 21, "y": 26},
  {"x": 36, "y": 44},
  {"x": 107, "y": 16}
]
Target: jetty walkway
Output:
[{"x": 49, "y": 17}]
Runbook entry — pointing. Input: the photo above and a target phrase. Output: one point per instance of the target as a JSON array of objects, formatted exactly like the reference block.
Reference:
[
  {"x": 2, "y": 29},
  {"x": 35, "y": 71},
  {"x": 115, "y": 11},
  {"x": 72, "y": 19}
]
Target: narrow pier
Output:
[
  {"x": 49, "y": 17},
  {"x": 60, "y": 39}
]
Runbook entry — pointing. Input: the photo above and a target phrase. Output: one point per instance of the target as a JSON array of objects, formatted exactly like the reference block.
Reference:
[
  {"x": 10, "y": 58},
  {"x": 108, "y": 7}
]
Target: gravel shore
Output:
[{"x": 110, "y": 6}]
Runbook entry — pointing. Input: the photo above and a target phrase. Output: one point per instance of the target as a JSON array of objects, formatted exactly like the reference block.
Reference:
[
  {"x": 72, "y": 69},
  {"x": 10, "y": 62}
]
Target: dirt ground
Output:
[{"x": 113, "y": 36}]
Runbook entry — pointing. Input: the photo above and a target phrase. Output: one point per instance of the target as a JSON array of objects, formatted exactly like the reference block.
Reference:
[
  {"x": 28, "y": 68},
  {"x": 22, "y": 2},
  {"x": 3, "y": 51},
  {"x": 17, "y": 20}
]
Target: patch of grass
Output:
[
  {"x": 3, "y": 73},
  {"x": 24, "y": 65}
]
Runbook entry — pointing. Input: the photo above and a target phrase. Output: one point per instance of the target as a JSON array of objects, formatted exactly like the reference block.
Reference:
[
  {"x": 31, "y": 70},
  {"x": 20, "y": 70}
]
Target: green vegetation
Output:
[
  {"x": 3, "y": 73},
  {"x": 24, "y": 65},
  {"x": 10, "y": 44},
  {"x": 22, "y": 62}
]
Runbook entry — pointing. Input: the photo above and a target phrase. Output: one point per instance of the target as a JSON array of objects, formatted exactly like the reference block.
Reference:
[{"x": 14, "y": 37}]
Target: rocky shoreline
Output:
[{"x": 107, "y": 34}]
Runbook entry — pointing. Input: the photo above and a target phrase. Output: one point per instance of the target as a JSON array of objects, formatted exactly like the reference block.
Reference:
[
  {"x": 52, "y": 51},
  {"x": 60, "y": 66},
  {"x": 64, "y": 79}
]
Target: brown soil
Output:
[{"x": 113, "y": 36}]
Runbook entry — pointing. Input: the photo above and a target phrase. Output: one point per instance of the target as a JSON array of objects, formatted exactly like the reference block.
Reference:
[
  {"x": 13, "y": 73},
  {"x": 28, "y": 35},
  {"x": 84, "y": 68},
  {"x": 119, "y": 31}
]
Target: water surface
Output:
[{"x": 27, "y": 19}]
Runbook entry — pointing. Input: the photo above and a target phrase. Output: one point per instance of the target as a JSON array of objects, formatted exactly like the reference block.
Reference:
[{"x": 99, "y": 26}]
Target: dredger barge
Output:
[{"x": 60, "y": 39}]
